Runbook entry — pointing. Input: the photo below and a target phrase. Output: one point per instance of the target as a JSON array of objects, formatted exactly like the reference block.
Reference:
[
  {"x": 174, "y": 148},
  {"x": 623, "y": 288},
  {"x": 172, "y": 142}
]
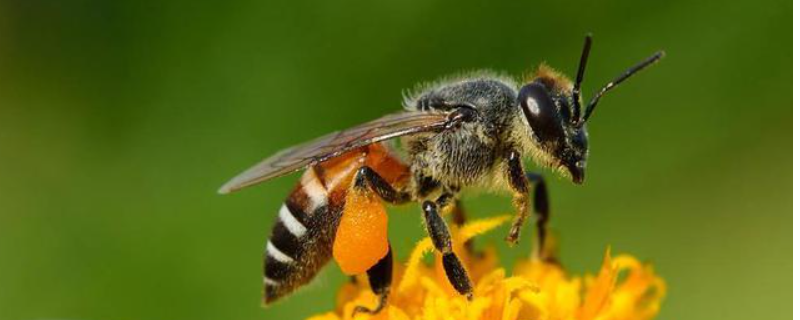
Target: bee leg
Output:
[
  {"x": 440, "y": 235},
  {"x": 520, "y": 186},
  {"x": 380, "y": 281},
  {"x": 541, "y": 206},
  {"x": 366, "y": 177},
  {"x": 460, "y": 219},
  {"x": 459, "y": 216},
  {"x": 445, "y": 201}
]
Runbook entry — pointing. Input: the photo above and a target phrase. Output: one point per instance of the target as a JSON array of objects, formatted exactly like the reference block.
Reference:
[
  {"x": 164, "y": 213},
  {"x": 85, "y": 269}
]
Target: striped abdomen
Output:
[{"x": 303, "y": 235}]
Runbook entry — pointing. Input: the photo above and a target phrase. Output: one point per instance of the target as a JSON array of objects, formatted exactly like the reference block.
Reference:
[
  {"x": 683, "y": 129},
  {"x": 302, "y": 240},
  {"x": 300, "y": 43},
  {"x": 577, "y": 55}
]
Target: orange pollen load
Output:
[{"x": 361, "y": 239}]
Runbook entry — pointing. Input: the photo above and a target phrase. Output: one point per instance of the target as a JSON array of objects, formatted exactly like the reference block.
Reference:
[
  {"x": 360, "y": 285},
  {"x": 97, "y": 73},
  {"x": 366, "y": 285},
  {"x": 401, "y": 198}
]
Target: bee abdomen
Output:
[{"x": 301, "y": 243}]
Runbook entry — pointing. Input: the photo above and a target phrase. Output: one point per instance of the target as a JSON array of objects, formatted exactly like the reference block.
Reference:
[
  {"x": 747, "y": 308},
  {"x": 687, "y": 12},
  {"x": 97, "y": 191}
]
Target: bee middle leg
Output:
[
  {"x": 440, "y": 236},
  {"x": 448, "y": 201},
  {"x": 459, "y": 216},
  {"x": 380, "y": 281}
]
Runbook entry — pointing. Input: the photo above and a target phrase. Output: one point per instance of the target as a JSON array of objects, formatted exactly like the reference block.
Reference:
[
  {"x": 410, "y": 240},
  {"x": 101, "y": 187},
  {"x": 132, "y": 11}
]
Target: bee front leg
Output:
[
  {"x": 380, "y": 281},
  {"x": 520, "y": 186},
  {"x": 541, "y": 206},
  {"x": 440, "y": 236}
]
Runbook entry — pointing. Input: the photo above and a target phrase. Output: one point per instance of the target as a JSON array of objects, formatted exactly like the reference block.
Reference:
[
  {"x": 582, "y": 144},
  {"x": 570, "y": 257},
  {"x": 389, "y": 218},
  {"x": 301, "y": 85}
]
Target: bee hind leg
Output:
[
  {"x": 440, "y": 236},
  {"x": 380, "y": 281},
  {"x": 366, "y": 177},
  {"x": 380, "y": 275}
]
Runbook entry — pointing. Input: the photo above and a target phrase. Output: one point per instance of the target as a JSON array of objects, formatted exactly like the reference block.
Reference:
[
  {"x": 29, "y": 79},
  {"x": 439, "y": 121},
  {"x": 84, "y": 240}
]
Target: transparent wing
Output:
[{"x": 334, "y": 144}]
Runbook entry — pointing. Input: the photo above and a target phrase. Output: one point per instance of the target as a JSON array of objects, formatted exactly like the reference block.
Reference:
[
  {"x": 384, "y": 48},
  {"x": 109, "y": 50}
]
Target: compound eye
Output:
[{"x": 541, "y": 112}]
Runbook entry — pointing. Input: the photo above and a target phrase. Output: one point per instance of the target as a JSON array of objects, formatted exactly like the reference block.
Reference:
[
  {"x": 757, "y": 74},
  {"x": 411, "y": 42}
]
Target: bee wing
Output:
[{"x": 337, "y": 143}]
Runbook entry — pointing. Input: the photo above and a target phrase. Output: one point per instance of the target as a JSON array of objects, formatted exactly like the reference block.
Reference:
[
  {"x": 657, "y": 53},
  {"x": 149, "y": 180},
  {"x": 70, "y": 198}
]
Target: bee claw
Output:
[
  {"x": 513, "y": 237},
  {"x": 362, "y": 309}
]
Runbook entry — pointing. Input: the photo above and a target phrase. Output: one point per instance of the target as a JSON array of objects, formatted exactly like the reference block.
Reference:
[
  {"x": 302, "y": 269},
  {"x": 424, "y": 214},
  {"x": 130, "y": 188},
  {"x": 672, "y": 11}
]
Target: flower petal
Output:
[{"x": 412, "y": 266}]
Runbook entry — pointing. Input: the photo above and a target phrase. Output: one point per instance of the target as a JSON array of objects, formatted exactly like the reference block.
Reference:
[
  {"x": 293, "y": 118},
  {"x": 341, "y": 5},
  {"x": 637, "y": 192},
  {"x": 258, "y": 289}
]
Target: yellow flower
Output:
[{"x": 624, "y": 288}]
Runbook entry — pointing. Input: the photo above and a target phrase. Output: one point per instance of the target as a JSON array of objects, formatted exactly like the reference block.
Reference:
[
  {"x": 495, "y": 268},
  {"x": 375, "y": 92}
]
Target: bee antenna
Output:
[
  {"x": 621, "y": 78},
  {"x": 576, "y": 88}
]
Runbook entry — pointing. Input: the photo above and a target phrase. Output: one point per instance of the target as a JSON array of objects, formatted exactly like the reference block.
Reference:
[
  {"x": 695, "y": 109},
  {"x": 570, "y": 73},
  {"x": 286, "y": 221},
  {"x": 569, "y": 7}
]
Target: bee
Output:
[{"x": 470, "y": 131}]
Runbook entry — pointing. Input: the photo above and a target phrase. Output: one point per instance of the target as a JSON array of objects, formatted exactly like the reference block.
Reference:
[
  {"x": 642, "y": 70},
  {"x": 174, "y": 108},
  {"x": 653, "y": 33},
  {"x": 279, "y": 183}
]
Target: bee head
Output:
[
  {"x": 551, "y": 104},
  {"x": 550, "y": 110}
]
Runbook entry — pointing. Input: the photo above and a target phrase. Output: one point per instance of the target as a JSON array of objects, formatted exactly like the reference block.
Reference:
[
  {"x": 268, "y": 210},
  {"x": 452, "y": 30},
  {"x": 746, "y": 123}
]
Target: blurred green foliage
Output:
[{"x": 119, "y": 120}]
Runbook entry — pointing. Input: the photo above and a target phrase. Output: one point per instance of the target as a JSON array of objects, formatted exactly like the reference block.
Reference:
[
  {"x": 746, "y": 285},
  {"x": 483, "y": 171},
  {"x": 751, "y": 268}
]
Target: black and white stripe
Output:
[
  {"x": 302, "y": 238},
  {"x": 291, "y": 223},
  {"x": 315, "y": 191},
  {"x": 285, "y": 246}
]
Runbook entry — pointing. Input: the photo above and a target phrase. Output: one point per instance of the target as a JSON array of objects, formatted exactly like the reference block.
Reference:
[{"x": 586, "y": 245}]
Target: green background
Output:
[{"x": 120, "y": 119}]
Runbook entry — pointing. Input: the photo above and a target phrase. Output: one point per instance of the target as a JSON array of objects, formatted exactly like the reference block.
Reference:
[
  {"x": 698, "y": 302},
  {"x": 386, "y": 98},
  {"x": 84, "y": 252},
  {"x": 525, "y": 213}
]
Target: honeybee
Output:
[{"x": 469, "y": 131}]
